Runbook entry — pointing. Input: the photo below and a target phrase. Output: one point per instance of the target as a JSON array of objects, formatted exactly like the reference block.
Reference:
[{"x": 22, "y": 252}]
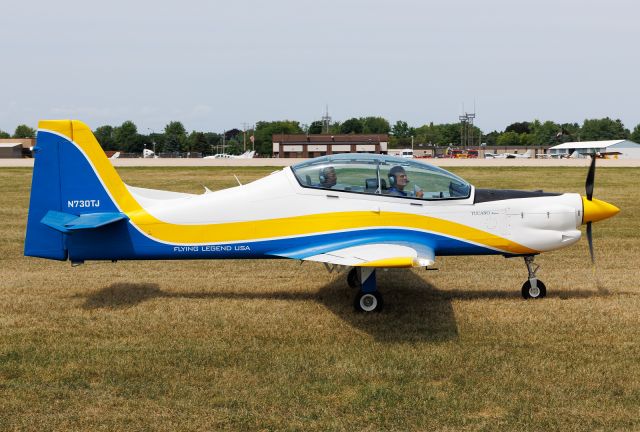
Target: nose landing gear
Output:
[
  {"x": 368, "y": 298},
  {"x": 533, "y": 288}
]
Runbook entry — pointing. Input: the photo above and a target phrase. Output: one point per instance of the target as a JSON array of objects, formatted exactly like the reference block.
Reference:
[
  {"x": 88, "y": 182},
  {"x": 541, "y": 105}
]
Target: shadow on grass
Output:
[
  {"x": 414, "y": 309},
  {"x": 124, "y": 295}
]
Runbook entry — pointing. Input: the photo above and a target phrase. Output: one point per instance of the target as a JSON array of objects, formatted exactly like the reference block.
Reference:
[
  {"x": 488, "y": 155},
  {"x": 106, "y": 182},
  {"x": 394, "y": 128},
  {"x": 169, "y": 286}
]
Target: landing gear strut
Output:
[
  {"x": 368, "y": 298},
  {"x": 533, "y": 288}
]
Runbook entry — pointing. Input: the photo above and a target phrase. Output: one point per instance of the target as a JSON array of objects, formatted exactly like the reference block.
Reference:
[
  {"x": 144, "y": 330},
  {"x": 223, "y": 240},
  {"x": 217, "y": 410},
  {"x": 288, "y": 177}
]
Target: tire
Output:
[
  {"x": 527, "y": 292},
  {"x": 368, "y": 302},
  {"x": 352, "y": 278}
]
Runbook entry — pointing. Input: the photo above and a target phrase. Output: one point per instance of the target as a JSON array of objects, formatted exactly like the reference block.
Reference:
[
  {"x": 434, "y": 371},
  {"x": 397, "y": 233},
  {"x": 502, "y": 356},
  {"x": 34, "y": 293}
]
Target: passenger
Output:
[
  {"x": 398, "y": 180},
  {"x": 328, "y": 177}
]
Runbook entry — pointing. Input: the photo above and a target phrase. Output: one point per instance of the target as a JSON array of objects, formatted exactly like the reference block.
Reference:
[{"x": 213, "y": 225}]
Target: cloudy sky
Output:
[{"x": 215, "y": 65}]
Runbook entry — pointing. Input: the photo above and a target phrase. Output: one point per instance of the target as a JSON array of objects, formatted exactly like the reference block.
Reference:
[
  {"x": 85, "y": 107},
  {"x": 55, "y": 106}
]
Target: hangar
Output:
[
  {"x": 16, "y": 147},
  {"x": 10, "y": 150},
  {"x": 619, "y": 149}
]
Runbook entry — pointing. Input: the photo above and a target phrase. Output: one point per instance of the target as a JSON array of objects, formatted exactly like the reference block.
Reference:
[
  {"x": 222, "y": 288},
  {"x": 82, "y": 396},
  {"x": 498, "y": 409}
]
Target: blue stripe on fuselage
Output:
[{"x": 122, "y": 240}]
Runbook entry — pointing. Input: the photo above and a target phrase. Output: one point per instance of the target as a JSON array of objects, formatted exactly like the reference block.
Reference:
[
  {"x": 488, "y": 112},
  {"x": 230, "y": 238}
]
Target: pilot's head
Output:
[
  {"x": 327, "y": 177},
  {"x": 398, "y": 177}
]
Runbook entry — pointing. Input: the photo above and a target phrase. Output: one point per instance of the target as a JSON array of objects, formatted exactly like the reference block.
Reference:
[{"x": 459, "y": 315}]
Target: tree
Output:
[
  {"x": 104, "y": 135},
  {"x": 197, "y": 142},
  {"x": 315, "y": 128},
  {"x": 352, "y": 126},
  {"x": 441, "y": 134},
  {"x": 491, "y": 138},
  {"x": 603, "y": 129},
  {"x": 4, "y": 134},
  {"x": 124, "y": 136},
  {"x": 24, "y": 131},
  {"x": 519, "y": 128},
  {"x": 375, "y": 125},
  {"x": 635, "y": 135},
  {"x": 265, "y": 130},
  {"x": 569, "y": 132},
  {"x": 509, "y": 139},
  {"x": 527, "y": 139},
  {"x": 176, "y": 137},
  {"x": 547, "y": 133},
  {"x": 401, "y": 129}
]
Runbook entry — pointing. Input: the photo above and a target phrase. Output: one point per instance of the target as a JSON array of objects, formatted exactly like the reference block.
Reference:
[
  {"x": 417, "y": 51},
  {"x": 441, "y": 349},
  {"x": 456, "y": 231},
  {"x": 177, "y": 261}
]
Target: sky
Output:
[{"x": 217, "y": 65}]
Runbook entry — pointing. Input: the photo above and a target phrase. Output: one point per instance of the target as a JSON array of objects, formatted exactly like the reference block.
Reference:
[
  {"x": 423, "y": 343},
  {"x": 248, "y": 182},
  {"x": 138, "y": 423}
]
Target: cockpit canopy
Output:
[{"x": 382, "y": 175}]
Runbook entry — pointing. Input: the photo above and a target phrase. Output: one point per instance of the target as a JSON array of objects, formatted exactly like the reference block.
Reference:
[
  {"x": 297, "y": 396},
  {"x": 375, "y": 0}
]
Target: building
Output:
[
  {"x": 23, "y": 149},
  {"x": 618, "y": 149},
  {"x": 10, "y": 150},
  {"x": 309, "y": 146}
]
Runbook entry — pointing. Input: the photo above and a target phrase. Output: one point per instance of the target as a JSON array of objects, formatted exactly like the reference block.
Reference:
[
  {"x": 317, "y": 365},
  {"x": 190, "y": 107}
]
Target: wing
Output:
[{"x": 371, "y": 255}]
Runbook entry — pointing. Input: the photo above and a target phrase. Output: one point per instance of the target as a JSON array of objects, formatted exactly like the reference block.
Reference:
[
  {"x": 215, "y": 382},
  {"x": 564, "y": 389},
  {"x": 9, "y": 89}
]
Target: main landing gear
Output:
[
  {"x": 368, "y": 298},
  {"x": 533, "y": 288}
]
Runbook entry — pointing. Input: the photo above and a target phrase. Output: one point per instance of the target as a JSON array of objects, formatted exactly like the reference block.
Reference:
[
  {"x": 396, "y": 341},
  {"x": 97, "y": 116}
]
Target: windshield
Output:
[{"x": 382, "y": 175}]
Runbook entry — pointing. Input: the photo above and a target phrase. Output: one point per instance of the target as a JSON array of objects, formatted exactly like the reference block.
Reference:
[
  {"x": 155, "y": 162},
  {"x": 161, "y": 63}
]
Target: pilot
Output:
[
  {"x": 328, "y": 178},
  {"x": 398, "y": 180}
]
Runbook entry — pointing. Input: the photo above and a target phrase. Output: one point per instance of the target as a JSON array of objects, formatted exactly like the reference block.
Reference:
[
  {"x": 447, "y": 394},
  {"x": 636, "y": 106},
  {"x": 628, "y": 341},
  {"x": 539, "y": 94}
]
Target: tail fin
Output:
[{"x": 71, "y": 175}]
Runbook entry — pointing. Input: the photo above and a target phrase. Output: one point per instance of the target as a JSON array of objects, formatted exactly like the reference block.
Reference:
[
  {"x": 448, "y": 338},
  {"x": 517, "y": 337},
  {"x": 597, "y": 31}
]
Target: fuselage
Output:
[{"x": 276, "y": 212}]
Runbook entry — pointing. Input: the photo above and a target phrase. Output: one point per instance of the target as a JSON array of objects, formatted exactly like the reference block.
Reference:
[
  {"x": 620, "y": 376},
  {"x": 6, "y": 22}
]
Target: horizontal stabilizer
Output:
[{"x": 65, "y": 222}]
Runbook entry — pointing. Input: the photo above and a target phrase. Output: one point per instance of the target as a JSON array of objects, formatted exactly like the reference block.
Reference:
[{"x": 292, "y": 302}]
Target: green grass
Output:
[{"x": 275, "y": 345}]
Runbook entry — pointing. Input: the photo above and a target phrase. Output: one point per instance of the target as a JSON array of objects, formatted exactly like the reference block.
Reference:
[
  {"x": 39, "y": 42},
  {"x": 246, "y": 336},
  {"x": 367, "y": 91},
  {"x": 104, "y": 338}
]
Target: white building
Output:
[{"x": 614, "y": 149}]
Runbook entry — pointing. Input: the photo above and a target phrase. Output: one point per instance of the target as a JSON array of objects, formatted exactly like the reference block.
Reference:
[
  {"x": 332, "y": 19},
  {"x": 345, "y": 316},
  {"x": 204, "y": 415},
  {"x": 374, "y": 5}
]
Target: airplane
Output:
[
  {"x": 526, "y": 155},
  {"x": 116, "y": 155},
  {"x": 246, "y": 155},
  {"x": 345, "y": 211},
  {"x": 148, "y": 153}
]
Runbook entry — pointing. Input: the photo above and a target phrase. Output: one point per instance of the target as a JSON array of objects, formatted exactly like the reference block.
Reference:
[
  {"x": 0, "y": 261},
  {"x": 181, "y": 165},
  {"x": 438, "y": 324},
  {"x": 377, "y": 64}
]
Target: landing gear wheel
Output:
[
  {"x": 352, "y": 278},
  {"x": 368, "y": 302},
  {"x": 528, "y": 292}
]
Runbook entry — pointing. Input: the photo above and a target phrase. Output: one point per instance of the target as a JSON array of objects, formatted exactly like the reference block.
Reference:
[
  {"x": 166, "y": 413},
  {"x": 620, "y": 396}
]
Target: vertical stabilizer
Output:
[{"x": 71, "y": 175}]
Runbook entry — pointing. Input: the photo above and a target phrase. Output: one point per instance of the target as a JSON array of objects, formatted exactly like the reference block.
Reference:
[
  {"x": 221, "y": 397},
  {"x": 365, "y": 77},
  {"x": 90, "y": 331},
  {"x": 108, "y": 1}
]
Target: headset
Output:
[
  {"x": 392, "y": 175},
  {"x": 322, "y": 175}
]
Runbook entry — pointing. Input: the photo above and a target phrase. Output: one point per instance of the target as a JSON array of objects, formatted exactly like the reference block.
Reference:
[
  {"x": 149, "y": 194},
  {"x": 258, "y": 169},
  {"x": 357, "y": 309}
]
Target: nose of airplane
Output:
[{"x": 596, "y": 210}]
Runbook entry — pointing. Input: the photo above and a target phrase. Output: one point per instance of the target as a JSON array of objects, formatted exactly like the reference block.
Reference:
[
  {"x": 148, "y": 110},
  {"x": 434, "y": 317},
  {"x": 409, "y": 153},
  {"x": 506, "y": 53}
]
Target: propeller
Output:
[{"x": 589, "y": 189}]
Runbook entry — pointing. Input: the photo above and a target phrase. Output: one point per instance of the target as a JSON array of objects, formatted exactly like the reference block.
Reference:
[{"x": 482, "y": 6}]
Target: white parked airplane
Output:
[
  {"x": 527, "y": 155},
  {"x": 249, "y": 154}
]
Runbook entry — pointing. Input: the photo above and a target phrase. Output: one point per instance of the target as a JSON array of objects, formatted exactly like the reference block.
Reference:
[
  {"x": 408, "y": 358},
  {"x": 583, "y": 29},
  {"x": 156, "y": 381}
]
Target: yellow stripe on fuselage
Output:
[{"x": 80, "y": 133}]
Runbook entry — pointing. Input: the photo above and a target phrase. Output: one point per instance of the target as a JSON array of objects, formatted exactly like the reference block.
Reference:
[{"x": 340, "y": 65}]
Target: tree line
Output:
[{"x": 174, "y": 138}]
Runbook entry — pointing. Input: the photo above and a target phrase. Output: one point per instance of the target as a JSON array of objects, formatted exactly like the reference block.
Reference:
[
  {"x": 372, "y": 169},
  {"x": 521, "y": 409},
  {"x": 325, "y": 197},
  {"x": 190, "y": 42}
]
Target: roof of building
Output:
[
  {"x": 26, "y": 142},
  {"x": 588, "y": 144},
  {"x": 350, "y": 138}
]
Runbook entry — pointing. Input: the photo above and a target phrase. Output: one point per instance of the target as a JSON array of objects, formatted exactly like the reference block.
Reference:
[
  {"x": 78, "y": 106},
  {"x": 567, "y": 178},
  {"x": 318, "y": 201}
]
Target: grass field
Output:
[{"x": 275, "y": 345}]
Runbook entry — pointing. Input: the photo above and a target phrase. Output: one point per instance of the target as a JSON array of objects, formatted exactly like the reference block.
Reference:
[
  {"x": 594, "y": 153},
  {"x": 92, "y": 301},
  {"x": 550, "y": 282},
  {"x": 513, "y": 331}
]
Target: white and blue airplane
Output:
[{"x": 354, "y": 211}]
